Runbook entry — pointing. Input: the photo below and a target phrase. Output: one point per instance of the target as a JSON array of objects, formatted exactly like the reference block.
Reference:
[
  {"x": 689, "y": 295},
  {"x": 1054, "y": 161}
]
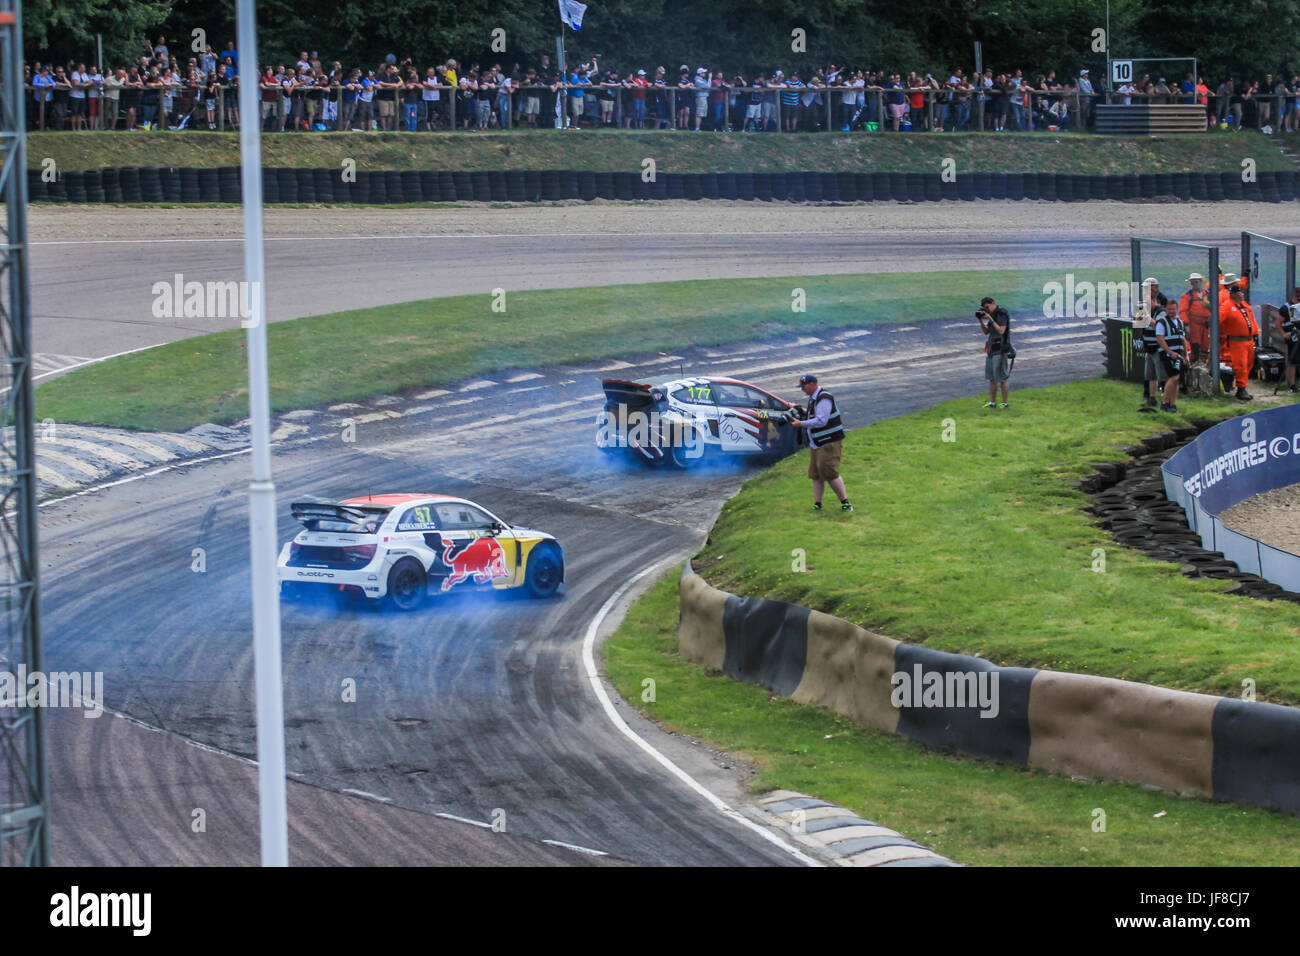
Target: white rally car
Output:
[
  {"x": 404, "y": 547},
  {"x": 682, "y": 421}
]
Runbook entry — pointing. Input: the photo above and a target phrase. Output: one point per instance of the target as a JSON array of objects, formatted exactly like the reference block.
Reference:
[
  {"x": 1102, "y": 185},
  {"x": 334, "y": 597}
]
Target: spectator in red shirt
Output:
[{"x": 636, "y": 119}]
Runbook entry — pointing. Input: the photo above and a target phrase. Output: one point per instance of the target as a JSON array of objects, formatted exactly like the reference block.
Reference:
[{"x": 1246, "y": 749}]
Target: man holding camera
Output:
[
  {"x": 1287, "y": 322},
  {"x": 825, "y": 440},
  {"x": 1170, "y": 354},
  {"x": 995, "y": 323}
]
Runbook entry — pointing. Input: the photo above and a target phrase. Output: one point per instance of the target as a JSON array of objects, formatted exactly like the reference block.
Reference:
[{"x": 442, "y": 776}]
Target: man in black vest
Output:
[
  {"x": 1170, "y": 355},
  {"x": 1287, "y": 322},
  {"x": 825, "y": 440}
]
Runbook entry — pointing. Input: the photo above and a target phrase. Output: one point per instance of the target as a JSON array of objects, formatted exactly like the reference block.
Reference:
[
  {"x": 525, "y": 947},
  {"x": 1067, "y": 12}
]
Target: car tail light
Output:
[
  {"x": 294, "y": 548},
  {"x": 362, "y": 552}
]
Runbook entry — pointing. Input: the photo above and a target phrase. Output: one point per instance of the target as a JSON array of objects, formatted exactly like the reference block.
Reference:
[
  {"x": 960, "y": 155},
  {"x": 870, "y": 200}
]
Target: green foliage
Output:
[
  {"x": 1238, "y": 36},
  {"x": 974, "y": 812},
  {"x": 66, "y": 28}
]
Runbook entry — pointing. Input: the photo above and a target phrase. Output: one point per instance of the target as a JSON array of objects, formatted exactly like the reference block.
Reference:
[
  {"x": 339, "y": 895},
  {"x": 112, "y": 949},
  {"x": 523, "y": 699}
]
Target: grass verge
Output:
[
  {"x": 971, "y": 811},
  {"x": 348, "y": 355},
  {"x": 981, "y": 546},
  {"x": 679, "y": 152}
]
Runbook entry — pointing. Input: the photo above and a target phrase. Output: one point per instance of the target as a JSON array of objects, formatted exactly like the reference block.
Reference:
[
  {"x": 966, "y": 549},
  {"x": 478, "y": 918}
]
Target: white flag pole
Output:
[{"x": 261, "y": 490}]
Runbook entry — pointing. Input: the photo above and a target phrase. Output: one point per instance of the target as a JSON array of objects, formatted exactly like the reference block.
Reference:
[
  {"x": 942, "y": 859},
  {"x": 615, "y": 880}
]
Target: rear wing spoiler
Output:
[
  {"x": 634, "y": 394},
  {"x": 305, "y": 511}
]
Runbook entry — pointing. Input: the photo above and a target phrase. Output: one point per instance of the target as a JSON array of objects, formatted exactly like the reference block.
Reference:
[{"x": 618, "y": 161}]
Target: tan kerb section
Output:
[
  {"x": 699, "y": 630},
  {"x": 848, "y": 670},
  {"x": 1117, "y": 730}
]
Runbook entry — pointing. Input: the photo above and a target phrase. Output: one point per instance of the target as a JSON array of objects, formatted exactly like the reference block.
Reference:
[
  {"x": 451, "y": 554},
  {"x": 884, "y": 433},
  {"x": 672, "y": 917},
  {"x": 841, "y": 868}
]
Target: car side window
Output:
[
  {"x": 454, "y": 516},
  {"x": 738, "y": 396},
  {"x": 419, "y": 518}
]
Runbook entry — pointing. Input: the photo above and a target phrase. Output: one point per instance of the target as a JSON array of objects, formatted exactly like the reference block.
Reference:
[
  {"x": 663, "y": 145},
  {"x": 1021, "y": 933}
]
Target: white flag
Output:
[{"x": 571, "y": 12}]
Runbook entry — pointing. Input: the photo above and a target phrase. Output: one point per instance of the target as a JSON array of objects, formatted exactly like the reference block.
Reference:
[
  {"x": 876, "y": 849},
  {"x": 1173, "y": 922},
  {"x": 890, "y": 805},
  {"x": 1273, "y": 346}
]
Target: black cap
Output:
[{"x": 807, "y": 378}]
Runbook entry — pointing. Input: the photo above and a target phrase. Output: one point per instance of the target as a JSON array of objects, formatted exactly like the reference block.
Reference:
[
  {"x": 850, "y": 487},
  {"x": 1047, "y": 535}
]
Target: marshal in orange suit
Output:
[
  {"x": 1237, "y": 331},
  {"x": 1194, "y": 310}
]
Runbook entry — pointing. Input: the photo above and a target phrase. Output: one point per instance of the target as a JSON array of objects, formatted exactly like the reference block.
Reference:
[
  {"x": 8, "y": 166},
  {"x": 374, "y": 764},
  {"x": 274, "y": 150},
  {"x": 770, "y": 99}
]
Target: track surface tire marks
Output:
[
  {"x": 471, "y": 705},
  {"x": 118, "y": 811},
  {"x": 465, "y": 707}
]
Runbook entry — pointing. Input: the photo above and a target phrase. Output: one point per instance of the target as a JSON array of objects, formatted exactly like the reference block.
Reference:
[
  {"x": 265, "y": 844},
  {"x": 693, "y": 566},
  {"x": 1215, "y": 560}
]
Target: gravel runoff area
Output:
[
  {"x": 1189, "y": 221},
  {"x": 1273, "y": 517}
]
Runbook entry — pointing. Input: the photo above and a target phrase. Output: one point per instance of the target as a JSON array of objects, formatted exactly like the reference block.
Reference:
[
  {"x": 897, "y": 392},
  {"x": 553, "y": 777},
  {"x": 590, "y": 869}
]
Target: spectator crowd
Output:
[{"x": 160, "y": 91}]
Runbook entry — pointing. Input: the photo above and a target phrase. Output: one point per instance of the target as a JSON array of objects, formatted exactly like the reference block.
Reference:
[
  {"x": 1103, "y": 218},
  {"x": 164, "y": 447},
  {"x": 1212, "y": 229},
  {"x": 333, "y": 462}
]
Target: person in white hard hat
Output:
[{"x": 1194, "y": 312}]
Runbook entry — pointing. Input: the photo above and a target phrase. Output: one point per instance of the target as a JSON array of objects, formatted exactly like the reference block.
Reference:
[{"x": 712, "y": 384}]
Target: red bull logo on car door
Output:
[{"x": 478, "y": 558}]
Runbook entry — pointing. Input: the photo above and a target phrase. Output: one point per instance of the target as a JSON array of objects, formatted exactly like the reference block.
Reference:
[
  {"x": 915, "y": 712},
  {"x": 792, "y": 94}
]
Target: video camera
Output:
[{"x": 790, "y": 414}]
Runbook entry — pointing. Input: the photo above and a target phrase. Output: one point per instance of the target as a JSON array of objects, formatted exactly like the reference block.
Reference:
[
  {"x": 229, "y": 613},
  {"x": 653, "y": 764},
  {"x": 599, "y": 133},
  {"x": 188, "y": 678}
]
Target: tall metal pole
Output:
[
  {"x": 24, "y": 786},
  {"x": 261, "y": 490},
  {"x": 1214, "y": 318},
  {"x": 1108, "y": 76}
]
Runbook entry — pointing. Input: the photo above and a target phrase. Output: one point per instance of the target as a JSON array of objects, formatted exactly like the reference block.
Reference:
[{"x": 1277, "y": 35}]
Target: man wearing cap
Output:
[
  {"x": 1237, "y": 331},
  {"x": 1194, "y": 311},
  {"x": 702, "y": 86},
  {"x": 639, "y": 86},
  {"x": 1152, "y": 288},
  {"x": 1085, "y": 98},
  {"x": 825, "y": 440}
]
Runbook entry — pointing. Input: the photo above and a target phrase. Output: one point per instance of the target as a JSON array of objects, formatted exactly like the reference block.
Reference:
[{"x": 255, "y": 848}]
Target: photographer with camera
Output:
[
  {"x": 1170, "y": 354},
  {"x": 1000, "y": 357},
  {"x": 825, "y": 440},
  {"x": 1287, "y": 323}
]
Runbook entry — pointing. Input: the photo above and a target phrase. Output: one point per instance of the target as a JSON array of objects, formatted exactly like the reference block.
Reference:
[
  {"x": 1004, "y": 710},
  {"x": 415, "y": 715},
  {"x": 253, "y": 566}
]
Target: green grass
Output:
[
  {"x": 677, "y": 152},
  {"x": 971, "y": 811},
  {"x": 981, "y": 546},
  {"x": 348, "y": 355}
]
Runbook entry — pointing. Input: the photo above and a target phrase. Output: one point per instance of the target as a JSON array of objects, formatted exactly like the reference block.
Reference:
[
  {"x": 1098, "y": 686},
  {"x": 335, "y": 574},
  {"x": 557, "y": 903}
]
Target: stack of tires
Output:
[
  {"x": 228, "y": 187},
  {"x": 129, "y": 179},
  {"x": 1130, "y": 503},
  {"x": 189, "y": 179}
]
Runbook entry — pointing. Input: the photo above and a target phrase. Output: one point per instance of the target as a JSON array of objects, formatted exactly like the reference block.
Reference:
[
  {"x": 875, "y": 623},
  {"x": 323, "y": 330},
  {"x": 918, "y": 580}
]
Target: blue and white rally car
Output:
[{"x": 681, "y": 422}]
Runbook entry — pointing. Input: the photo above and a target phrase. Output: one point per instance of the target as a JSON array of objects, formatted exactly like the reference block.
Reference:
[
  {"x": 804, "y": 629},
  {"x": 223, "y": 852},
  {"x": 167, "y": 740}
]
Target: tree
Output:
[{"x": 65, "y": 29}]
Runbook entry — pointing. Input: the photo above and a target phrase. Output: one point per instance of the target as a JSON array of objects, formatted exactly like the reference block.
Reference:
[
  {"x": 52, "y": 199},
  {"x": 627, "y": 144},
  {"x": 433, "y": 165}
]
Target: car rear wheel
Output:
[
  {"x": 680, "y": 453},
  {"x": 407, "y": 585},
  {"x": 682, "y": 457},
  {"x": 542, "y": 578}
]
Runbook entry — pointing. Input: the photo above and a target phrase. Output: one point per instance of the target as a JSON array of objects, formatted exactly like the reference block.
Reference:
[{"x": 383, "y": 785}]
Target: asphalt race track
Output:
[
  {"x": 474, "y": 709},
  {"x": 92, "y": 270},
  {"x": 466, "y": 708}
]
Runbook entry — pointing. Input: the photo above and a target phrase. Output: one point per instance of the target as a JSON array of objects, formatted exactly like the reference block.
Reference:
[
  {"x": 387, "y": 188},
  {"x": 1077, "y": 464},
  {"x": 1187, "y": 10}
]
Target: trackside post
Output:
[{"x": 272, "y": 799}]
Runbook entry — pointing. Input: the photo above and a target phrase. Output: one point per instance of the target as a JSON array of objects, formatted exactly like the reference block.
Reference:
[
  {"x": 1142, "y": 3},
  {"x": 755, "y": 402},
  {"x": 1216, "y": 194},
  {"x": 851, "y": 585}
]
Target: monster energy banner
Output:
[{"x": 1121, "y": 361}]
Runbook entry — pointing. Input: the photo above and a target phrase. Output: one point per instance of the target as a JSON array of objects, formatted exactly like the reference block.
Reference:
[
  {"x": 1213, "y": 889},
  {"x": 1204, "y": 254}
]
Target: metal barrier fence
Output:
[
  {"x": 777, "y": 109},
  {"x": 1269, "y": 267}
]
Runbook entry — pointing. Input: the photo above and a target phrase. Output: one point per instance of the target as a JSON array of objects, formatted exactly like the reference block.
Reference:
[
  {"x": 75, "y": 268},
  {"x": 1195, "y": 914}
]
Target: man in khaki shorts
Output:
[{"x": 825, "y": 440}]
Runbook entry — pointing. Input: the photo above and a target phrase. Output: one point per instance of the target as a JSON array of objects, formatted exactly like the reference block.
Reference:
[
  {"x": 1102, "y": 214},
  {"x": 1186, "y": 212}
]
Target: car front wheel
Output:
[{"x": 543, "y": 576}]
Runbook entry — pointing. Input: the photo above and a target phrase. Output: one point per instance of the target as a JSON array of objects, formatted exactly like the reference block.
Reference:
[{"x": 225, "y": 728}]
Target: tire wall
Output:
[
  {"x": 1074, "y": 724},
  {"x": 153, "y": 184}
]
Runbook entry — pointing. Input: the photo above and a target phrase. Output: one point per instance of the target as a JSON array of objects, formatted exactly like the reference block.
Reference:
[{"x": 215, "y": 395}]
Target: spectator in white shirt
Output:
[{"x": 79, "y": 82}]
